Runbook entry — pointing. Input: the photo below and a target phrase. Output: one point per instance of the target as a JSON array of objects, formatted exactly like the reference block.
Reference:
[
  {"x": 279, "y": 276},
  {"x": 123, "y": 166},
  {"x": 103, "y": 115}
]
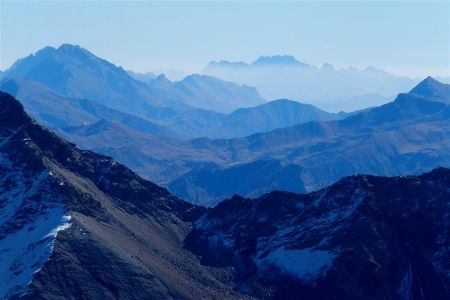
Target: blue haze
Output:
[{"x": 401, "y": 37}]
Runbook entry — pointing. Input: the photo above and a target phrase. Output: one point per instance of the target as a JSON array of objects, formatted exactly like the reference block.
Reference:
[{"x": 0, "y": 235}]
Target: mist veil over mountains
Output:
[
  {"x": 274, "y": 179},
  {"x": 328, "y": 87}
]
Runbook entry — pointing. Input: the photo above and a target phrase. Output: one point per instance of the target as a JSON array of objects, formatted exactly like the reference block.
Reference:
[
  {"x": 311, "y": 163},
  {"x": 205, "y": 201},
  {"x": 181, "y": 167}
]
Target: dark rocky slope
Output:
[
  {"x": 113, "y": 234},
  {"x": 364, "y": 237}
]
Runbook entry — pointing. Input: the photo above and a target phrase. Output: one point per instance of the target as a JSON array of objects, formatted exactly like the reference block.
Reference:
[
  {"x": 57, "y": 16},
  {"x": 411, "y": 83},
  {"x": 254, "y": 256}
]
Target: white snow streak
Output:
[{"x": 305, "y": 264}]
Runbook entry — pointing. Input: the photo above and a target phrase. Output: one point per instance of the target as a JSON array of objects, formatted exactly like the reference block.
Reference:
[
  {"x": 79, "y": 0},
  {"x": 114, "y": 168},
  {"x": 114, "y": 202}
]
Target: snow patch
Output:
[
  {"x": 24, "y": 252},
  {"x": 31, "y": 215},
  {"x": 305, "y": 264}
]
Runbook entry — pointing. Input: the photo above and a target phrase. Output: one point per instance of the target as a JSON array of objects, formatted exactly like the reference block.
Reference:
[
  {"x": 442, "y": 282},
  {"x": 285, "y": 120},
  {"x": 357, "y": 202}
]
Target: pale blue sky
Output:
[{"x": 410, "y": 38}]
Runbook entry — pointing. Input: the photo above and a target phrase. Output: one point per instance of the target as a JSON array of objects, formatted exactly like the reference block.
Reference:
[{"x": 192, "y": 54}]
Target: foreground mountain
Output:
[
  {"x": 410, "y": 135},
  {"x": 364, "y": 237},
  {"x": 283, "y": 76},
  {"x": 77, "y": 224}
]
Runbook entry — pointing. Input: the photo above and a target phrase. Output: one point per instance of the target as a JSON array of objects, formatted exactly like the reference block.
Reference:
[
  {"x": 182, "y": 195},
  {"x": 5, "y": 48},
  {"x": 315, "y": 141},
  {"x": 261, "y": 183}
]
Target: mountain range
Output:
[
  {"x": 76, "y": 224},
  {"x": 205, "y": 156},
  {"x": 206, "y": 92},
  {"x": 74, "y": 72},
  {"x": 68, "y": 68},
  {"x": 329, "y": 88},
  {"x": 193, "y": 107},
  {"x": 407, "y": 136}
]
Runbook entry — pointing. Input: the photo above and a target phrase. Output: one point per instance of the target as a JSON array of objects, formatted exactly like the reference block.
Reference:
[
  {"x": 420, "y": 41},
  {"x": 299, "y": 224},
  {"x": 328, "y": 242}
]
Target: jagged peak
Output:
[{"x": 287, "y": 60}]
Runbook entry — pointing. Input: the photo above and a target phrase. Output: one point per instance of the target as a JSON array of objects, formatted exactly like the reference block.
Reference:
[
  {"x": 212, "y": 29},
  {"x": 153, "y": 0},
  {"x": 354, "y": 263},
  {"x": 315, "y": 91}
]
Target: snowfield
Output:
[{"x": 30, "y": 218}]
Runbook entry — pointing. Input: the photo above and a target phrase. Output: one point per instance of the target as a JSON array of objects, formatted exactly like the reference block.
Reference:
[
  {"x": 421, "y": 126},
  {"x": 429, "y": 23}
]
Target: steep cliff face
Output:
[
  {"x": 78, "y": 224},
  {"x": 364, "y": 237}
]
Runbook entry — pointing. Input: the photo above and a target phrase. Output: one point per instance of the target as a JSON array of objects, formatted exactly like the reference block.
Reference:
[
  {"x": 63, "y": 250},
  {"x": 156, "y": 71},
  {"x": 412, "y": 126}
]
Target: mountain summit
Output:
[
  {"x": 75, "y": 72},
  {"x": 430, "y": 87},
  {"x": 77, "y": 224}
]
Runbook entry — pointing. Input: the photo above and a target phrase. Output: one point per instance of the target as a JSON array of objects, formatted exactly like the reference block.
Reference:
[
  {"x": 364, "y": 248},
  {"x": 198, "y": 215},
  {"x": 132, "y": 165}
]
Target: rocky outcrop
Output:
[{"x": 364, "y": 237}]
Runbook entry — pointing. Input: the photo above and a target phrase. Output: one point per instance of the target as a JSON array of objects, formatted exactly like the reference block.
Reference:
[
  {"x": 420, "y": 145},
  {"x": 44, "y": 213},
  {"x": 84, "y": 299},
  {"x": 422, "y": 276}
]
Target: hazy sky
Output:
[{"x": 401, "y": 37}]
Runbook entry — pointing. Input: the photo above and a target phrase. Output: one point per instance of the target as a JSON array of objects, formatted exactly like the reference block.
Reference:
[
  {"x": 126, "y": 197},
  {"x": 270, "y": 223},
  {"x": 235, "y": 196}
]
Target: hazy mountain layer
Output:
[
  {"x": 206, "y": 92},
  {"x": 407, "y": 136},
  {"x": 74, "y": 72},
  {"x": 326, "y": 87},
  {"x": 185, "y": 107},
  {"x": 210, "y": 182},
  {"x": 56, "y": 111}
]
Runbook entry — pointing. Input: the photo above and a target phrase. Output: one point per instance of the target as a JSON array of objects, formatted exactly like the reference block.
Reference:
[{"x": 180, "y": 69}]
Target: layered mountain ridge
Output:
[
  {"x": 410, "y": 135},
  {"x": 77, "y": 224},
  {"x": 196, "y": 106},
  {"x": 406, "y": 136}
]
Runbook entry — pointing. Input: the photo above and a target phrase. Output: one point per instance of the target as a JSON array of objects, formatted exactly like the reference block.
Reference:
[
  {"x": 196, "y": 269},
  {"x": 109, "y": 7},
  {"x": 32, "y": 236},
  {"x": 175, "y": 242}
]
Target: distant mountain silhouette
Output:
[
  {"x": 206, "y": 92},
  {"x": 74, "y": 72},
  {"x": 187, "y": 122},
  {"x": 278, "y": 60},
  {"x": 283, "y": 76},
  {"x": 145, "y": 77}
]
